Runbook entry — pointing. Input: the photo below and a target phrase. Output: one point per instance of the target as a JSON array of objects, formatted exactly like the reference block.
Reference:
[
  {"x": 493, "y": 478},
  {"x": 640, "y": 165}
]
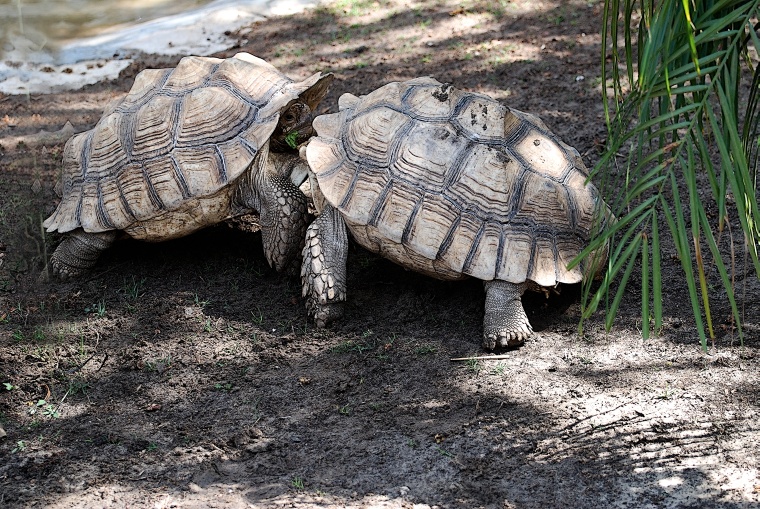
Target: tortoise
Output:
[
  {"x": 449, "y": 184},
  {"x": 186, "y": 148}
]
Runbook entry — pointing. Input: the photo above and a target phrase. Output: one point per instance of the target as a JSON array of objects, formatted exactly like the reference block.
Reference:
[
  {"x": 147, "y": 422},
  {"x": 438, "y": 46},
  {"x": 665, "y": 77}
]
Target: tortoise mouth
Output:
[{"x": 298, "y": 134}]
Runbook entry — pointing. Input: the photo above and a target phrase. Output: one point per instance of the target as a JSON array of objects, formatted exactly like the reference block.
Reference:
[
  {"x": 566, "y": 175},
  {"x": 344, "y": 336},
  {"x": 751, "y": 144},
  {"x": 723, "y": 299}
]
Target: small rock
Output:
[
  {"x": 3, "y": 434},
  {"x": 260, "y": 446},
  {"x": 404, "y": 491}
]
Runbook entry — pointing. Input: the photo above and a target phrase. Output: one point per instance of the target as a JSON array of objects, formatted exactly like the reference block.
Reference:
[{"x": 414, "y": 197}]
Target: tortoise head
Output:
[{"x": 294, "y": 126}]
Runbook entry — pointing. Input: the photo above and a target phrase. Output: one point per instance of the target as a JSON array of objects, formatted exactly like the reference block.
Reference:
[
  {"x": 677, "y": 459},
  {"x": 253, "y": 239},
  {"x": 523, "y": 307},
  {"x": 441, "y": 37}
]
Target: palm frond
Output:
[{"x": 675, "y": 112}]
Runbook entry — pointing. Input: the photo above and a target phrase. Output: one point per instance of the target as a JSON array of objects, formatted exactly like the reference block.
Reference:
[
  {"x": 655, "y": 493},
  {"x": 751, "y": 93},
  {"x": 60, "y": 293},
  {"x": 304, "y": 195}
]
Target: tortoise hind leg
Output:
[
  {"x": 505, "y": 322},
  {"x": 323, "y": 273},
  {"x": 79, "y": 252}
]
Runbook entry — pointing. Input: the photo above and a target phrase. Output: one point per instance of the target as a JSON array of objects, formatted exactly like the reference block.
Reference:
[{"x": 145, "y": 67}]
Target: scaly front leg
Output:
[
  {"x": 283, "y": 223},
  {"x": 323, "y": 273}
]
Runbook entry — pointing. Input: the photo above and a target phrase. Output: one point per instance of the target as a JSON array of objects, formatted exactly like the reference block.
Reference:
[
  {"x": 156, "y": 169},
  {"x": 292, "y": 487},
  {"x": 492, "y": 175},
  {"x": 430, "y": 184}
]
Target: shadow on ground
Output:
[{"x": 185, "y": 373}]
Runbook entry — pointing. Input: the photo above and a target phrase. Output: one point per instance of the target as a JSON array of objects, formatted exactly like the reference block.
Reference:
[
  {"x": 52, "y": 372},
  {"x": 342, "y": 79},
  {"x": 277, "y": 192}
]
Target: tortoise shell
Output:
[
  {"x": 160, "y": 161},
  {"x": 455, "y": 184}
]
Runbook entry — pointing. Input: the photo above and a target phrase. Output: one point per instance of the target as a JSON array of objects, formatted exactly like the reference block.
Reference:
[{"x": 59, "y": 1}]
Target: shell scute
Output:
[
  {"x": 395, "y": 207},
  {"x": 211, "y": 115},
  {"x": 426, "y": 155},
  {"x": 370, "y": 135},
  {"x": 480, "y": 118},
  {"x": 106, "y": 148},
  {"x": 389, "y": 97},
  {"x": 459, "y": 242},
  {"x": 154, "y": 128},
  {"x": 485, "y": 251},
  {"x": 543, "y": 155},
  {"x": 90, "y": 205},
  {"x": 147, "y": 84},
  {"x": 545, "y": 202},
  {"x": 235, "y": 73},
  {"x": 544, "y": 261},
  {"x": 488, "y": 181},
  {"x": 426, "y": 99},
  {"x": 189, "y": 73},
  {"x": 517, "y": 248},
  {"x": 432, "y": 224},
  {"x": 114, "y": 206},
  {"x": 362, "y": 196},
  {"x": 167, "y": 182},
  {"x": 136, "y": 192},
  {"x": 201, "y": 168}
]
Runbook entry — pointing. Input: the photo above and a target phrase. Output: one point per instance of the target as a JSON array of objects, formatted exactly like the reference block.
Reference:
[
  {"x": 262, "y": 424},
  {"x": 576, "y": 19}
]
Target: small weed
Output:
[
  {"x": 258, "y": 316},
  {"x": 412, "y": 443},
  {"x": 343, "y": 347},
  {"x": 345, "y": 409},
  {"x": 159, "y": 365},
  {"x": 18, "y": 335},
  {"x": 9, "y": 386},
  {"x": 444, "y": 452},
  {"x": 38, "y": 335},
  {"x": 474, "y": 365},
  {"x": 424, "y": 24},
  {"x": 498, "y": 8},
  {"x": 207, "y": 325},
  {"x": 361, "y": 64},
  {"x": 152, "y": 447},
  {"x": 297, "y": 483},
  {"x": 20, "y": 447},
  {"x": 99, "y": 309},
  {"x": 200, "y": 303},
  {"x": 133, "y": 289},
  {"x": 498, "y": 369},
  {"x": 667, "y": 393},
  {"x": 425, "y": 350},
  {"x": 225, "y": 386},
  {"x": 351, "y": 7},
  {"x": 427, "y": 59},
  {"x": 47, "y": 409},
  {"x": 77, "y": 385}
]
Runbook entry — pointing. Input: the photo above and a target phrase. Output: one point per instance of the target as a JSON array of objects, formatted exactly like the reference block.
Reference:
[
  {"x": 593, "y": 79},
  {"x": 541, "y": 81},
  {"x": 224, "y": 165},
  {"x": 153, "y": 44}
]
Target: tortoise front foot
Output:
[
  {"x": 79, "y": 252},
  {"x": 324, "y": 314},
  {"x": 505, "y": 323},
  {"x": 323, "y": 269}
]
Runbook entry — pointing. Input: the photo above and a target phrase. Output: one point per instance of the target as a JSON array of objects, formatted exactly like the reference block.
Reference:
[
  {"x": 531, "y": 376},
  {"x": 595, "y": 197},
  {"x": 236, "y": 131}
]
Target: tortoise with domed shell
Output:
[
  {"x": 449, "y": 184},
  {"x": 187, "y": 148}
]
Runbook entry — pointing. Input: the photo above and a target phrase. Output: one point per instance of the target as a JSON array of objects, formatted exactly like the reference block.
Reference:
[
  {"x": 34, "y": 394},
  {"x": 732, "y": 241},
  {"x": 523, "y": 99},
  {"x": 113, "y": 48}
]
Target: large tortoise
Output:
[
  {"x": 186, "y": 148},
  {"x": 450, "y": 184}
]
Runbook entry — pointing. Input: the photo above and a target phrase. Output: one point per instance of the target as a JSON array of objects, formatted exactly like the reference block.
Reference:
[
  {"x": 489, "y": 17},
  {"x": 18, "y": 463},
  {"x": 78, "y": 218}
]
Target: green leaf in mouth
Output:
[{"x": 291, "y": 139}]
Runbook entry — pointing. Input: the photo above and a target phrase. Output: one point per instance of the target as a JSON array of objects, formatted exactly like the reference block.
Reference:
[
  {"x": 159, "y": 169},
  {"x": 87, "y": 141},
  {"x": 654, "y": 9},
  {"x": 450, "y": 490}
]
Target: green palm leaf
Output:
[{"x": 673, "y": 104}]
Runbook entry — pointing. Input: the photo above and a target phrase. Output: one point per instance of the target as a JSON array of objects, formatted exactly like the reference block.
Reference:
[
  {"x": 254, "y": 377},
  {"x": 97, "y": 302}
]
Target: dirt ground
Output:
[{"x": 185, "y": 374}]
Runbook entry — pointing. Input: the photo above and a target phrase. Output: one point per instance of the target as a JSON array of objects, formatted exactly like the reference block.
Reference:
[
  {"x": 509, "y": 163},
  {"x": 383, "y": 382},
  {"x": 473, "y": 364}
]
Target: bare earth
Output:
[{"x": 185, "y": 374}]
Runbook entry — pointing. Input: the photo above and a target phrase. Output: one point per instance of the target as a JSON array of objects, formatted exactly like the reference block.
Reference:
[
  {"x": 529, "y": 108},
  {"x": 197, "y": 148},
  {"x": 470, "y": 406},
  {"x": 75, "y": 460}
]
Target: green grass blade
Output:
[
  {"x": 656, "y": 274},
  {"x": 677, "y": 225},
  {"x": 644, "y": 286}
]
